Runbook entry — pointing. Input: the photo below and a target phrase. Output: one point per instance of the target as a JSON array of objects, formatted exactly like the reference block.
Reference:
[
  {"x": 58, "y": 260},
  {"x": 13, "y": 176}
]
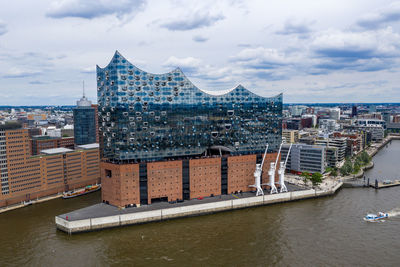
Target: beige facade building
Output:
[
  {"x": 25, "y": 177},
  {"x": 291, "y": 136}
]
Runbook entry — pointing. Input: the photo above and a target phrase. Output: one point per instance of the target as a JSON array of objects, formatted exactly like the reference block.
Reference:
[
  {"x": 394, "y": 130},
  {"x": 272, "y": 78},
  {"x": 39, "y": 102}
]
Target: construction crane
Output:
[
  {"x": 281, "y": 172},
  {"x": 257, "y": 175}
]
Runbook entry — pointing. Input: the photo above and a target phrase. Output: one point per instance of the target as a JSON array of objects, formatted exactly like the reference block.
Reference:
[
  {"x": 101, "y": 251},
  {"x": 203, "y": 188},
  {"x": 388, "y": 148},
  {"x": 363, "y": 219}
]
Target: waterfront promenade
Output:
[{"x": 101, "y": 216}]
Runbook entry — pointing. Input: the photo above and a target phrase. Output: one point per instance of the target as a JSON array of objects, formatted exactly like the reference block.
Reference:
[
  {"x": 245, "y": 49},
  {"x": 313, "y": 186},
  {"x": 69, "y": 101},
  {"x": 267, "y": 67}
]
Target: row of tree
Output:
[
  {"x": 315, "y": 178},
  {"x": 354, "y": 166}
]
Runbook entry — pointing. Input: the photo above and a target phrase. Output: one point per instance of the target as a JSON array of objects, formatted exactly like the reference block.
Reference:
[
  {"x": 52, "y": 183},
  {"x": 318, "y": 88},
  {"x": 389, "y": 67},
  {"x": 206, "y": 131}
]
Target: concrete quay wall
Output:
[{"x": 92, "y": 224}]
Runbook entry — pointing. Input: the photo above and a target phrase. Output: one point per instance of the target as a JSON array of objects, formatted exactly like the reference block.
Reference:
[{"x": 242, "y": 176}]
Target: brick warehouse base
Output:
[{"x": 146, "y": 183}]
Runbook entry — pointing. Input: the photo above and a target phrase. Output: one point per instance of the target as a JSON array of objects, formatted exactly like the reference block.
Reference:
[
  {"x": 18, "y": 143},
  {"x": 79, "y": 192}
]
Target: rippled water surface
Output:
[{"x": 328, "y": 231}]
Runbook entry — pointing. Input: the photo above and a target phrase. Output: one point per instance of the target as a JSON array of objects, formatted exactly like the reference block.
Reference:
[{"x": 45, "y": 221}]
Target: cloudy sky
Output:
[{"x": 312, "y": 51}]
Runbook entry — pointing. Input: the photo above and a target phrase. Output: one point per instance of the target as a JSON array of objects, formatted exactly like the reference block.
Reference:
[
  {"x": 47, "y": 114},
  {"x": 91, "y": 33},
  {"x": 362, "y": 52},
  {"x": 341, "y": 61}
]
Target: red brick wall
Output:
[
  {"x": 241, "y": 173},
  {"x": 205, "y": 177},
  {"x": 271, "y": 157},
  {"x": 164, "y": 179},
  {"x": 122, "y": 188}
]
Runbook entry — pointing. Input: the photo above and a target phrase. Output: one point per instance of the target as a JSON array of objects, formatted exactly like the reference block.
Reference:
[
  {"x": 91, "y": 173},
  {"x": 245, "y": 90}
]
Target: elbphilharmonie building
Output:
[{"x": 147, "y": 118}]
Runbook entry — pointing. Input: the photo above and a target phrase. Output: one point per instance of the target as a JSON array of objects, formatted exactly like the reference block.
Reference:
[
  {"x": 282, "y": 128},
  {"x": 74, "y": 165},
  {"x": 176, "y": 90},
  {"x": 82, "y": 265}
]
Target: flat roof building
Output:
[
  {"x": 305, "y": 158},
  {"x": 25, "y": 177},
  {"x": 41, "y": 142},
  {"x": 290, "y": 136}
]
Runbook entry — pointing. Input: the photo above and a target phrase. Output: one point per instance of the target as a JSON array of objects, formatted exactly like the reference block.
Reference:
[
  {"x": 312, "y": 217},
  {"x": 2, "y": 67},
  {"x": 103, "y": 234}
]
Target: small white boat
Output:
[
  {"x": 27, "y": 203},
  {"x": 376, "y": 217}
]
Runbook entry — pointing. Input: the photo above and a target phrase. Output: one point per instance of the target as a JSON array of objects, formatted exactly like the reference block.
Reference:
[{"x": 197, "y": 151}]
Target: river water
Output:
[{"x": 328, "y": 231}]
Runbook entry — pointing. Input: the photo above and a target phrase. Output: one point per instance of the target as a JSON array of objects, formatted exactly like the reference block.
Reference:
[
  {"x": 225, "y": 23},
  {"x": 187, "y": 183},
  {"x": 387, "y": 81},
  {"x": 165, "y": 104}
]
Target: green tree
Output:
[
  {"x": 343, "y": 170},
  {"x": 356, "y": 168},
  {"x": 346, "y": 168},
  {"x": 365, "y": 158},
  {"x": 333, "y": 171},
  {"x": 316, "y": 178},
  {"x": 306, "y": 176}
]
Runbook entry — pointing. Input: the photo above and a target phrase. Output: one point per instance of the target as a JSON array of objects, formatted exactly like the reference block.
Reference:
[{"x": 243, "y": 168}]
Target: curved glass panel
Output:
[{"x": 174, "y": 118}]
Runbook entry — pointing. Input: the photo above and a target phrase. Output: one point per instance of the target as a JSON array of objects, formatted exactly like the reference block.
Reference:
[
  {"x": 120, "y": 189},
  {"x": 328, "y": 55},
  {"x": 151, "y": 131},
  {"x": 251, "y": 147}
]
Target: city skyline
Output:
[{"x": 338, "y": 52}]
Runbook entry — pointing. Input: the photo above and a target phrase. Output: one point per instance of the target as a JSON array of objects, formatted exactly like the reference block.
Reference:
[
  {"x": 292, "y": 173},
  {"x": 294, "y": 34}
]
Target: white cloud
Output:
[
  {"x": 188, "y": 63},
  {"x": 200, "y": 39},
  {"x": 192, "y": 21},
  {"x": 20, "y": 73},
  {"x": 383, "y": 16},
  {"x": 218, "y": 44},
  {"x": 89, "y": 9},
  {"x": 3, "y": 28},
  {"x": 301, "y": 29}
]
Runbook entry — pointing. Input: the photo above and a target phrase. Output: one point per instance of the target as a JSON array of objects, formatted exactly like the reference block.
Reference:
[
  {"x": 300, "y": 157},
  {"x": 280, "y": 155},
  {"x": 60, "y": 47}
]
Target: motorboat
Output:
[
  {"x": 76, "y": 193},
  {"x": 376, "y": 217}
]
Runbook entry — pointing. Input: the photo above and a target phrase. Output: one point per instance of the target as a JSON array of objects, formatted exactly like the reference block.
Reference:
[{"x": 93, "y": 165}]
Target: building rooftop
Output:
[
  {"x": 11, "y": 125},
  {"x": 88, "y": 146},
  {"x": 59, "y": 150}
]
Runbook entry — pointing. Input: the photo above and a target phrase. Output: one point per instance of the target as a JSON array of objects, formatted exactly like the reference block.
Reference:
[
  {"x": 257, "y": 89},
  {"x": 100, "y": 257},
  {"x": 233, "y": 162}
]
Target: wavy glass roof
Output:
[
  {"x": 125, "y": 74},
  {"x": 153, "y": 116}
]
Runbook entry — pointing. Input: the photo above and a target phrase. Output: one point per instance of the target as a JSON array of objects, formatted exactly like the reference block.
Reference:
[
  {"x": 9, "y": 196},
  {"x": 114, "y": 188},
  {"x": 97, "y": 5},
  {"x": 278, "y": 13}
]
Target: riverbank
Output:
[
  {"x": 372, "y": 151},
  {"x": 102, "y": 216},
  {"x": 32, "y": 202}
]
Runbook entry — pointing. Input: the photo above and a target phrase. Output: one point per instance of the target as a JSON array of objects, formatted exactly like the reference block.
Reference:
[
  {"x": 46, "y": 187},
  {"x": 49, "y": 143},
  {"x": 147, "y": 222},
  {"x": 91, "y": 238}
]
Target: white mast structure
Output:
[
  {"x": 257, "y": 176},
  {"x": 281, "y": 172},
  {"x": 271, "y": 173}
]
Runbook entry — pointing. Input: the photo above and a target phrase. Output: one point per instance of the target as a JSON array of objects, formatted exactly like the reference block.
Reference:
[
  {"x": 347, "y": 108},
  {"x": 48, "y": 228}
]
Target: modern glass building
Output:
[
  {"x": 148, "y": 117},
  {"x": 84, "y": 122}
]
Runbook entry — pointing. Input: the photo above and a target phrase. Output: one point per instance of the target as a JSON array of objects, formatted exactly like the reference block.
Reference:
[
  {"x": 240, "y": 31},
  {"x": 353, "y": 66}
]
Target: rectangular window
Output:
[{"x": 108, "y": 173}]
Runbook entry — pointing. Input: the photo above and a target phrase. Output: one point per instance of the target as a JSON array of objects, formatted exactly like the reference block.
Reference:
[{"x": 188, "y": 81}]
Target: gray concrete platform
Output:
[
  {"x": 102, "y": 210},
  {"x": 101, "y": 216}
]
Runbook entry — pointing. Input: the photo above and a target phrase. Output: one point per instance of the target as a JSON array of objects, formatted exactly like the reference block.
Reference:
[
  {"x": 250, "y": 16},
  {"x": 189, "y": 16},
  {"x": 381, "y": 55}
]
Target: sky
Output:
[{"x": 311, "y": 51}]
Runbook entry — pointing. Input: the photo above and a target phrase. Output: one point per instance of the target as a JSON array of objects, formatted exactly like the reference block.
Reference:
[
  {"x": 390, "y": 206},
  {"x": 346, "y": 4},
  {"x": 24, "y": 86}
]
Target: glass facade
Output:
[
  {"x": 145, "y": 116},
  {"x": 84, "y": 125}
]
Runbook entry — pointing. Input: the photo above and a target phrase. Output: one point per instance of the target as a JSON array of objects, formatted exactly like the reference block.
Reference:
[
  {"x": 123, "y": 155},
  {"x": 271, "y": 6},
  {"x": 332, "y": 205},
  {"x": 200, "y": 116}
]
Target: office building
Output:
[
  {"x": 329, "y": 125},
  {"x": 165, "y": 139},
  {"x": 371, "y": 122},
  {"x": 354, "y": 111},
  {"x": 25, "y": 177},
  {"x": 85, "y": 131},
  {"x": 41, "y": 142},
  {"x": 334, "y": 114},
  {"x": 297, "y": 111},
  {"x": 290, "y": 136},
  {"x": 293, "y": 124},
  {"x": 340, "y": 143},
  {"x": 313, "y": 120},
  {"x": 305, "y": 158}
]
